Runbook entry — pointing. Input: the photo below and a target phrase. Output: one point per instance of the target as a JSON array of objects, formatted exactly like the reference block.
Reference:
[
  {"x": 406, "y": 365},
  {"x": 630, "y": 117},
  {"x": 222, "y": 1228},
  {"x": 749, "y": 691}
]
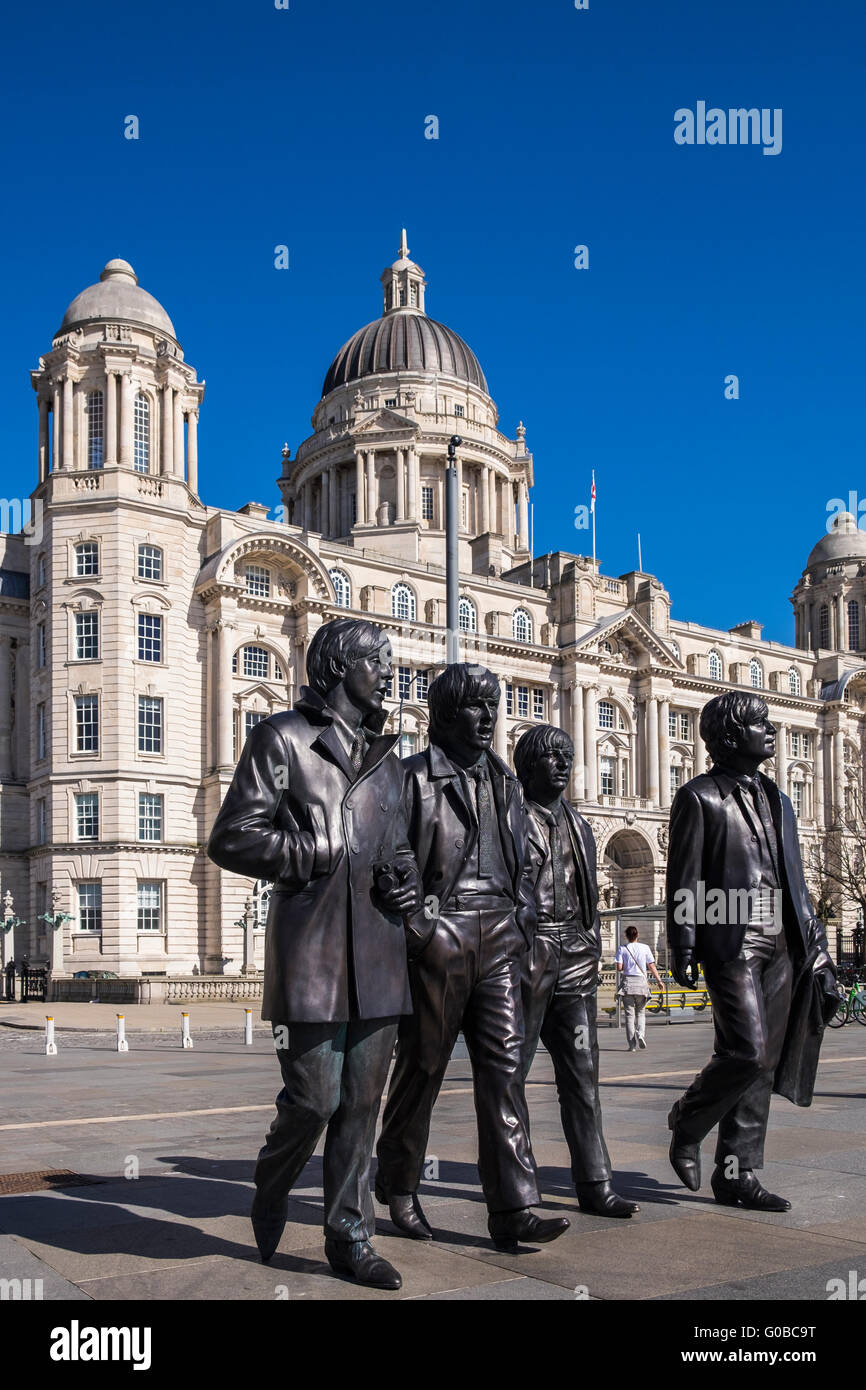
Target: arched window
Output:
[
  {"x": 141, "y": 434},
  {"x": 95, "y": 429},
  {"x": 256, "y": 662},
  {"x": 714, "y": 666},
  {"x": 824, "y": 626},
  {"x": 675, "y": 648},
  {"x": 342, "y": 588},
  {"x": 756, "y": 675},
  {"x": 794, "y": 683},
  {"x": 467, "y": 620},
  {"x": 854, "y": 626},
  {"x": 149, "y": 562},
  {"x": 521, "y": 625},
  {"x": 402, "y": 602},
  {"x": 605, "y": 714}
]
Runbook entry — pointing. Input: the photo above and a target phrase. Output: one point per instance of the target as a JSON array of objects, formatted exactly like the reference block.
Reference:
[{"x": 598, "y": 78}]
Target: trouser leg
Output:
[
  {"x": 440, "y": 979},
  {"x": 743, "y": 1129},
  {"x": 629, "y": 1010},
  {"x": 539, "y": 969},
  {"x": 311, "y": 1064},
  {"x": 493, "y": 1029},
  {"x": 352, "y": 1129},
  {"x": 569, "y": 1033},
  {"x": 640, "y": 1016}
]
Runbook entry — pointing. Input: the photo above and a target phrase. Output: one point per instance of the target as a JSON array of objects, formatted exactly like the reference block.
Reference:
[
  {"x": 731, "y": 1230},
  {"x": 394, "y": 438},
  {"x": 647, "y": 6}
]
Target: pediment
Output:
[
  {"x": 638, "y": 644},
  {"x": 386, "y": 421}
]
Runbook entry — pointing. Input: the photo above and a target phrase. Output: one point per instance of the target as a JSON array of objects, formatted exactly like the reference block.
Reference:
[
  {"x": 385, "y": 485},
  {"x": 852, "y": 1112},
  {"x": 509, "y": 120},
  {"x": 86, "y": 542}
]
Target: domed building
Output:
[{"x": 143, "y": 634}]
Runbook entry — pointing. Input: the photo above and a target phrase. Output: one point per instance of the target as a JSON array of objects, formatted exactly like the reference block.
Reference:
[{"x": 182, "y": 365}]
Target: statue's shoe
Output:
[
  {"x": 685, "y": 1157},
  {"x": 406, "y": 1213},
  {"x": 359, "y": 1260},
  {"x": 745, "y": 1191},
  {"x": 599, "y": 1199},
  {"x": 268, "y": 1225},
  {"x": 507, "y": 1228}
]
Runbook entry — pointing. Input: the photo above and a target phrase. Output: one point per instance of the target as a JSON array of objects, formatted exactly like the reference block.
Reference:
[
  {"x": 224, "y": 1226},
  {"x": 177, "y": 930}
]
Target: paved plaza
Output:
[{"x": 189, "y": 1124}]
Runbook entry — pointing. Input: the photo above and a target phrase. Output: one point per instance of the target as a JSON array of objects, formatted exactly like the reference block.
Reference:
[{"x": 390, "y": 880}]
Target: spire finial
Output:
[{"x": 404, "y": 249}]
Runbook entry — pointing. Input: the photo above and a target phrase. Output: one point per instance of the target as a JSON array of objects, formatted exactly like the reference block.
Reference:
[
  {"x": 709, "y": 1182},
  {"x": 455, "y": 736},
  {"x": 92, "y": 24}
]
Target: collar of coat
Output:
[
  {"x": 314, "y": 708},
  {"x": 442, "y": 766},
  {"x": 318, "y": 711},
  {"x": 726, "y": 780}
]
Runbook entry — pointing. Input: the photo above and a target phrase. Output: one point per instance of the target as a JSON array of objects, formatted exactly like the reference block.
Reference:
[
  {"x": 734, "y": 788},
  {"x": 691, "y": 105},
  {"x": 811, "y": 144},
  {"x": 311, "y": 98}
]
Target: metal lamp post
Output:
[{"x": 452, "y": 636}]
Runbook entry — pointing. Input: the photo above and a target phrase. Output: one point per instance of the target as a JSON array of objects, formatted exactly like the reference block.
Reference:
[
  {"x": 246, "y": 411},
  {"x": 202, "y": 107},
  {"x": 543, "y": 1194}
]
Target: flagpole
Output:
[
  {"x": 594, "y": 567},
  {"x": 639, "y": 556}
]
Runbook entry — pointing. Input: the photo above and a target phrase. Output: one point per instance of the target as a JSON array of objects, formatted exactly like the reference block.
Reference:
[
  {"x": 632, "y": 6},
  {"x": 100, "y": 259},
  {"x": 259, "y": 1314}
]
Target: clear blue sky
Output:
[{"x": 305, "y": 126}]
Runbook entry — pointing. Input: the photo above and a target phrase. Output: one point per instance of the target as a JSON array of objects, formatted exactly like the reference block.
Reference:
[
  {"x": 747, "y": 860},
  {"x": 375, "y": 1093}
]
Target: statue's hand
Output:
[{"x": 684, "y": 968}]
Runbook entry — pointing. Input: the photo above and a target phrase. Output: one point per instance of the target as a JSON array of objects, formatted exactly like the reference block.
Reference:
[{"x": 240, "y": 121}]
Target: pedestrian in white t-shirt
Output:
[{"x": 634, "y": 961}]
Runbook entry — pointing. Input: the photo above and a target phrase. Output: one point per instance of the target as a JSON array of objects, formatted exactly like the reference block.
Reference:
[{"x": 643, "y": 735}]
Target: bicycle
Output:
[{"x": 852, "y": 1005}]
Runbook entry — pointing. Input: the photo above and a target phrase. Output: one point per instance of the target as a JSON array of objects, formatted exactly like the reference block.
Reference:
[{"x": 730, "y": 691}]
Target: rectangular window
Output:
[
  {"x": 404, "y": 682},
  {"x": 421, "y": 684},
  {"x": 806, "y": 746},
  {"x": 149, "y": 637},
  {"x": 252, "y": 717},
  {"x": 150, "y": 907},
  {"x": 797, "y": 799},
  {"x": 608, "y": 777},
  {"x": 87, "y": 558},
  {"x": 149, "y": 724},
  {"x": 87, "y": 636},
  {"x": 42, "y": 821},
  {"x": 458, "y": 410},
  {"x": 87, "y": 816},
  {"x": 795, "y": 743},
  {"x": 258, "y": 581},
  {"x": 149, "y": 562},
  {"x": 87, "y": 723},
  {"x": 509, "y": 698},
  {"x": 256, "y": 662},
  {"x": 90, "y": 907},
  {"x": 672, "y": 725},
  {"x": 41, "y": 732},
  {"x": 408, "y": 745},
  {"x": 150, "y": 814},
  {"x": 676, "y": 780},
  {"x": 389, "y": 688},
  {"x": 685, "y": 727},
  {"x": 390, "y": 402},
  {"x": 523, "y": 702},
  {"x": 538, "y": 704},
  {"x": 41, "y": 572},
  {"x": 42, "y": 646},
  {"x": 426, "y": 503}
]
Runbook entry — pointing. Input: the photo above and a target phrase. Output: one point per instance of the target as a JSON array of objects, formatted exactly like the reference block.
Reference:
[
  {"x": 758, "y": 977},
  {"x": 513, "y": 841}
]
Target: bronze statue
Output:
[
  {"x": 466, "y": 828},
  {"x": 560, "y": 973},
  {"x": 737, "y": 903},
  {"x": 316, "y": 806}
]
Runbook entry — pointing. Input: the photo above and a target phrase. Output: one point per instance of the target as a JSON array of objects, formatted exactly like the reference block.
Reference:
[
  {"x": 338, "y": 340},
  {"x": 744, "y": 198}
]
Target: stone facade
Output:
[{"x": 142, "y": 632}]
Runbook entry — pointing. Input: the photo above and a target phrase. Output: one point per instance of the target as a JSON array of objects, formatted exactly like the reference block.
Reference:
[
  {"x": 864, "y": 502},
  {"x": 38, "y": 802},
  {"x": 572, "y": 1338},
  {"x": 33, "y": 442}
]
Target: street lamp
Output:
[{"x": 452, "y": 636}]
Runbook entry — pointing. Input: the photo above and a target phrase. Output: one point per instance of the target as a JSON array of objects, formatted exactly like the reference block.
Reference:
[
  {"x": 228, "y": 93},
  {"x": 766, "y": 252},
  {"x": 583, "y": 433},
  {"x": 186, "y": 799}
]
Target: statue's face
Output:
[
  {"x": 758, "y": 739},
  {"x": 550, "y": 774},
  {"x": 471, "y": 733},
  {"x": 365, "y": 682}
]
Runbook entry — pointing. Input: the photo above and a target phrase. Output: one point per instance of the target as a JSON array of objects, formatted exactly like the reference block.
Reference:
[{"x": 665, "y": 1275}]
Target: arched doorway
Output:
[{"x": 627, "y": 860}]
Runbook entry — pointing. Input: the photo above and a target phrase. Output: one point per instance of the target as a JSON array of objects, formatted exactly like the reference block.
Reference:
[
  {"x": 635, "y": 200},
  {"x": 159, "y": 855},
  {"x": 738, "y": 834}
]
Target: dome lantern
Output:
[{"x": 403, "y": 283}]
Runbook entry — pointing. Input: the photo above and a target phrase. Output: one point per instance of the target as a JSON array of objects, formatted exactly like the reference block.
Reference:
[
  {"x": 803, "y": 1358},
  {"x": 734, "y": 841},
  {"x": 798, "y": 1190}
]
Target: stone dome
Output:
[
  {"x": 844, "y": 541},
  {"x": 117, "y": 296},
  {"x": 405, "y": 341}
]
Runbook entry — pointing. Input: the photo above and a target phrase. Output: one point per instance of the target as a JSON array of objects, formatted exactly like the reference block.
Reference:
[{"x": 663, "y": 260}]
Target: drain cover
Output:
[{"x": 43, "y": 1180}]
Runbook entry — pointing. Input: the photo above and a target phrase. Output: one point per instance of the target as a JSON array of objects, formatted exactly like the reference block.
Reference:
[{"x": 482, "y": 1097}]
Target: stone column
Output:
[
  {"x": 109, "y": 444},
  {"x": 22, "y": 709},
  {"x": 500, "y": 739},
  {"x": 700, "y": 749},
  {"x": 334, "y": 497},
  {"x": 493, "y": 519},
  {"x": 68, "y": 428},
  {"x": 459, "y": 470},
  {"x": 126, "y": 421},
  {"x": 664, "y": 754},
  {"x": 621, "y": 782},
  {"x": 371, "y": 486},
  {"x": 225, "y": 708},
  {"x": 820, "y": 814},
  {"x": 652, "y": 729},
  {"x": 360, "y": 496},
  {"x": 43, "y": 439},
  {"x": 401, "y": 485},
  {"x": 578, "y": 771},
  {"x": 178, "y": 459},
  {"x": 590, "y": 740},
  {"x": 324, "y": 501},
  {"x": 839, "y": 775},
  {"x": 632, "y": 762},
  {"x": 167, "y": 431},
  {"x": 782, "y": 757},
  {"x": 5, "y": 706},
  {"x": 523, "y": 515},
  {"x": 485, "y": 499},
  {"x": 841, "y": 634},
  {"x": 56, "y": 456},
  {"x": 192, "y": 450},
  {"x": 412, "y": 482}
]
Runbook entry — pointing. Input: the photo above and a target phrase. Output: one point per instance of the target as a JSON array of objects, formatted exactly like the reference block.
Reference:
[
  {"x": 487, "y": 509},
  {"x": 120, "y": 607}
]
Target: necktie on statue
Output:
[
  {"x": 485, "y": 820},
  {"x": 557, "y": 865},
  {"x": 359, "y": 743}
]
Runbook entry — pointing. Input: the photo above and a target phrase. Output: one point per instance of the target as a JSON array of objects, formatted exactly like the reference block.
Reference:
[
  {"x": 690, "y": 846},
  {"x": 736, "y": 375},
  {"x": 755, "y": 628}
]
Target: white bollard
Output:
[
  {"x": 50, "y": 1044},
  {"x": 248, "y": 1027},
  {"x": 185, "y": 1039},
  {"x": 122, "y": 1044}
]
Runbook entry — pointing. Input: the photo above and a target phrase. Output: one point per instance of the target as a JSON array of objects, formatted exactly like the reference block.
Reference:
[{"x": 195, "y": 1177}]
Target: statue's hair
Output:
[
  {"x": 343, "y": 641},
  {"x": 535, "y": 742},
  {"x": 724, "y": 721},
  {"x": 453, "y": 688}
]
